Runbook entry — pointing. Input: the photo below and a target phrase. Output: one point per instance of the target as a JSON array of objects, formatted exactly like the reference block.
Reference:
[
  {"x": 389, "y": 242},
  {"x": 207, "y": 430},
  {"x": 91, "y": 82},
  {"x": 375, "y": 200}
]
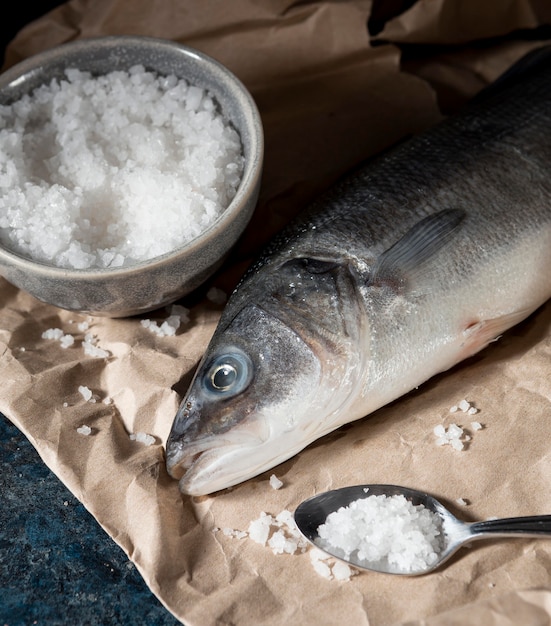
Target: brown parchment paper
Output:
[{"x": 328, "y": 97}]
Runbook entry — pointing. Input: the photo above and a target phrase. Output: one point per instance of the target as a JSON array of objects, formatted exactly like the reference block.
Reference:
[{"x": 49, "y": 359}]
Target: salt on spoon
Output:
[{"x": 396, "y": 530}]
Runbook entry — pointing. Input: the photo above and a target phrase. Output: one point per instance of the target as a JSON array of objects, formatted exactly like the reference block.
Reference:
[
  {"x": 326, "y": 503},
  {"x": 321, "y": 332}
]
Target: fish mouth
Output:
[{"x": 214, "y": 462}]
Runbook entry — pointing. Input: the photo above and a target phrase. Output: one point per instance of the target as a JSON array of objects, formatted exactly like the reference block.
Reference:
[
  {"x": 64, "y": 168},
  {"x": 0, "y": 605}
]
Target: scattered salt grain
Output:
[
  {"x": 462, "y": 502},
  {"x": 123, "y": 179},
  {"x": 180, "y": 311},
  {"x": 330, "y": 568},
  {"x": 84, "y": 430},
  {"x": 476, "y": 426},
  {"x": 167, "y": 329},
  {"x": 144, "y": 438},
  {"x": 464, "y": 406},
  {"x": 53, "y": 333},
  {"x": 259, "y": 529},
  {"x": 237, "y": 534},
  {"x": 389, "y": 530},
  {"x": 90, "y": 347},
  {"x": 85, "y": 392},
  {"x": 275, "y": 483},
  {"x": 321, "y": 568},
  {"x": 342, "y": 571},
  {"x": 452, "y": 436},
  {"x": 66, "y": 341},
  {"x": 57, "y": 334}
]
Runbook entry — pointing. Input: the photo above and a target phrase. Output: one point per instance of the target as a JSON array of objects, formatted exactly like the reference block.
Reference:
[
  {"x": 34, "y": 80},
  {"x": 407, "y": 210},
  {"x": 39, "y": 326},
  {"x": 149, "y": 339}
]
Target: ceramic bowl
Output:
[{"x": 148, "y": 285}]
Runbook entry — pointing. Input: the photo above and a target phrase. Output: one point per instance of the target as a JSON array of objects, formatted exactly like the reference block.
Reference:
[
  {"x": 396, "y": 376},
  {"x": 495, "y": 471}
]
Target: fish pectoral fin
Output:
[
  {"x": 478, "y": 334},
  {"x": 400, "y": 264}
]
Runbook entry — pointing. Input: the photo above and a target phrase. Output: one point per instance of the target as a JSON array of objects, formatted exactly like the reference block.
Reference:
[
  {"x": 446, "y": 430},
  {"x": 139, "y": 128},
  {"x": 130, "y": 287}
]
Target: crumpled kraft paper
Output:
[{"x": 329, "y": 97}]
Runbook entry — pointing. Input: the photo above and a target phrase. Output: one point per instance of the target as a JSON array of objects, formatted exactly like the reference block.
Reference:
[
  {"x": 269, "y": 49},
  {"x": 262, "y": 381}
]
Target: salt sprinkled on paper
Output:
[
  {"x": 452, "y": 436},
  {"x": 58, "y": 335},
  {"x": 123, "y": 179},
  {"x": 282, "y": 536},
  {"x": 144, "y": 438},
  {"x": 86, "y": 393},
  {"x": 91, "y": 349},
  {"x": 275, "y": 483},
  {"x": 455, "y": 435}
]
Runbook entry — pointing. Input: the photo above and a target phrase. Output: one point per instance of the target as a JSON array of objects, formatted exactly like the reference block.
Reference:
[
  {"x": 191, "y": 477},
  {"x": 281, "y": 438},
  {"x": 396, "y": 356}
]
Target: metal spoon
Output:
[{"x": 313, "y": 512}]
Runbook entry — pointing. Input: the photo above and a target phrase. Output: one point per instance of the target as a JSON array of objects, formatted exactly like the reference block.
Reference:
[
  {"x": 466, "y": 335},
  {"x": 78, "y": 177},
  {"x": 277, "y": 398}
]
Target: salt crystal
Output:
[
  {"x": 342, "y": 571},
  {"x": 275, "y": 483},
  {"x": 91, "y": 349},
  {"x": 457, "y": 444},
  {"x": 53, "y": 333},
  {"x": 66, "y": 341},
  {"x": 259, "y": 529},
  {"x": 388, "y": 529},
  {"x": 237, "y": 534},
  {"x": 180, "y": 311},
  {"x": 464, "y": 406},
  {"x": 461, "y": 501},
  {"x": 144, "y": 438},
  {"x": 156, "y": 167},
  {"x": 320, "y": 566},
  {"x": 167, "y": 328},
  {"x": 84, "y": 430},
  {"x": 57, "y": 334},
  {"x": 476, "y": 426},
  {"x": 472, "y": 410},
  {"x": 85, "y": 392}
]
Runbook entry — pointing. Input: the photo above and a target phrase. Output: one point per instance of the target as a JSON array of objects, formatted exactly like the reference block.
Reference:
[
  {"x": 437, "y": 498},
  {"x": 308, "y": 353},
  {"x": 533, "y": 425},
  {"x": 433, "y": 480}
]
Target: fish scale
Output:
[{"x": 415, "y": 261}]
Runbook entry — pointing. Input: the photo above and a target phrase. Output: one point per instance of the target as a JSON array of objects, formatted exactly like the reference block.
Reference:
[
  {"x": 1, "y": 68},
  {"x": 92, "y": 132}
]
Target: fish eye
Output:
[
  {"x": 228, "y": 374},
  {"x": 223, "y": 377}
]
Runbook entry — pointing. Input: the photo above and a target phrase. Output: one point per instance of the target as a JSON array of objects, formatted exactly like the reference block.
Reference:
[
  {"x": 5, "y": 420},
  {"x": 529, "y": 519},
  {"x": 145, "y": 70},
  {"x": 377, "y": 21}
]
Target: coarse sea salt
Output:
[
  {"x": 86, "y": 393},
  {"x": 281, "y": 534},
  {"x": 386, "y": 530},
  {"x": 147, "y": 440},
  {"x": 113, "y": 170},
  {"x": 84, "y": 430},
  {"x": 275, "y": 483}
]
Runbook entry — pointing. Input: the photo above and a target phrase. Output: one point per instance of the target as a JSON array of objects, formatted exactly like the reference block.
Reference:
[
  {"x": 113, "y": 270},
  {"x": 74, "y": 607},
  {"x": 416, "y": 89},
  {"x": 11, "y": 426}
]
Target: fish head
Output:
[
  {"x": 250, "y": 404},
  {"x": 243, "y": 405}
]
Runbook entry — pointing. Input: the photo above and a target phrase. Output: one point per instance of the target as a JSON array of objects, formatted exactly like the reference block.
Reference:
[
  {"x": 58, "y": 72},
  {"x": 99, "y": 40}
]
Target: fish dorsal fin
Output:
[
  {"x": 400, "y": 264},
  {"x": 533, "y": 61}
]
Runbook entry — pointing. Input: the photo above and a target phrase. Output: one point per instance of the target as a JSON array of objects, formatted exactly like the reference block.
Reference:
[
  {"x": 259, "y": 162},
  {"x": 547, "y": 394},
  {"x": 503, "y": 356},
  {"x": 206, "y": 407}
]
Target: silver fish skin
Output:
[{"x": 414, "y": 262}]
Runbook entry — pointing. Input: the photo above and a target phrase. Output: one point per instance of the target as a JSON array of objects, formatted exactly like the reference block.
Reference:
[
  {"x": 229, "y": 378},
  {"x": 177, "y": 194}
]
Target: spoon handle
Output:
[{"x": 535, "y": 525}]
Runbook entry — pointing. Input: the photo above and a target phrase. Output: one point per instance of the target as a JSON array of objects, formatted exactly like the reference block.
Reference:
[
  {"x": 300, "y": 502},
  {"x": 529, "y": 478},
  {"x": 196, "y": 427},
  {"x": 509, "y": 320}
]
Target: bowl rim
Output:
[{"x": 250, "y": 178}]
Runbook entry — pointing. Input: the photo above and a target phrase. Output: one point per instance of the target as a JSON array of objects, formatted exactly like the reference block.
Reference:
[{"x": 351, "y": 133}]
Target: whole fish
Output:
[{"x": 411, "y": 264}]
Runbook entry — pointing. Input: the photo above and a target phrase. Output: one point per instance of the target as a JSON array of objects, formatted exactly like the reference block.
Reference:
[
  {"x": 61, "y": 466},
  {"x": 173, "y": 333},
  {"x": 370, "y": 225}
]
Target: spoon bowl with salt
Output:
[{"x": 397, "y": 530}]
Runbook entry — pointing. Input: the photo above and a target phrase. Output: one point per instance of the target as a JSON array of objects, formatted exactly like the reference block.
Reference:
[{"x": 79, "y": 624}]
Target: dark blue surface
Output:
[{"x": 57, "y": 565}]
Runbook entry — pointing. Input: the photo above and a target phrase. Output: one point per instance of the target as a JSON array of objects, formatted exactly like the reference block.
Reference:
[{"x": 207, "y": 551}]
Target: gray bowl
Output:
[{"x": 146, "y": 286}]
